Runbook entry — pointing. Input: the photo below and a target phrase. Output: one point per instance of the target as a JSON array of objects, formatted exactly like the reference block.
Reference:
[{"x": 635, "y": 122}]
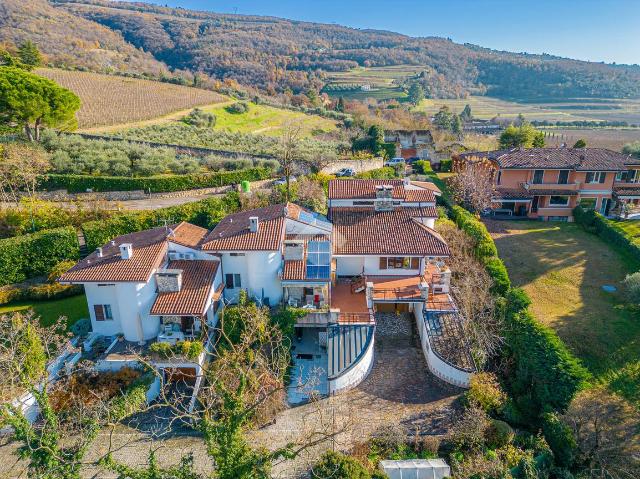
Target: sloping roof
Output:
[
  {"x": 349, "y": 189},
  {"x": 191, "y": 300},
  {"x": 580, "y": 159},
  {"x": 149, "y": 249},
  {"x": 233, "y": 234},
  {"x": 428, "y": 185},
  {"x": 345, "y": 346},
  {"x": 188, "y": 235},
  {"x": 361, "y": 231},
  {"x": 296, "y": 269},
  {"x": 513, "y": 193},
  {"x": 555, "y": 192}
]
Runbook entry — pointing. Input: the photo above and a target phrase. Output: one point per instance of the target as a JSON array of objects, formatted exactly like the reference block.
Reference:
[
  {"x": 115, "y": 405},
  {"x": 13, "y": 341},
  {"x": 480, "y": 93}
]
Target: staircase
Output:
[{"x": 84, "y": 251}]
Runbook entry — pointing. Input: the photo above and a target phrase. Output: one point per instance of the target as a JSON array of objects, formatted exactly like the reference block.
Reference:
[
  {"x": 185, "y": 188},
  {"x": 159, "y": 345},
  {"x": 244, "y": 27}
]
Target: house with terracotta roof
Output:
[
  {"x": 410, "y": 143},
  {"x": 547, "y": 183},
  {"x": 377, "y": 251}
]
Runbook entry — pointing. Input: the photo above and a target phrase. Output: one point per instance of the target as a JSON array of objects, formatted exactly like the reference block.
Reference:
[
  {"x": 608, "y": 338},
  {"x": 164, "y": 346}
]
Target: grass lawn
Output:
[
  {"x": 74, "y": 308},
  {"x": 267, "y": 120},
  {"x": 563, "y": 269}
]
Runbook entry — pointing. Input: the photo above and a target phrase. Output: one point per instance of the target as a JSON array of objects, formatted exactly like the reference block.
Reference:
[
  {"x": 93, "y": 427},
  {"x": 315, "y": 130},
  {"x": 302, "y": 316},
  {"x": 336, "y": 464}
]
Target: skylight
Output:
[{"x": 318, "y": 259}]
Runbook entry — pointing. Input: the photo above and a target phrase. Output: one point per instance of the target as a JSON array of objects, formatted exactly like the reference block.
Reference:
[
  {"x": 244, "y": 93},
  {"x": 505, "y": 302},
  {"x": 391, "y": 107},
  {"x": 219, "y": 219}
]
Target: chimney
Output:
[
  {"x": 293, "y": 250},
  {"x": 99, "y": 252},
  {"x": 169, "y": 280},
  {"x": 253, "y": 224},
  {"x": 126, "y": 250}
]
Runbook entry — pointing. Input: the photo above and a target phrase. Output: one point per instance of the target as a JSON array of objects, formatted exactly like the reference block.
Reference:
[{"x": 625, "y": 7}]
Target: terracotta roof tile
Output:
[
  {"x": 347, "y": 189},
  {"x": 233, "y": 234},
  {"x": 188, "y": 235},
  {"x": 580, "y": 159},
  {"x": 428, "y": 185},
  {"x": 149, "y": 249},
  {"x": 513, "y": 193},
  {"x": 363, "y": 231},
  {"x": 191, "y": 300},
  {"x": 420, "y": 196}
]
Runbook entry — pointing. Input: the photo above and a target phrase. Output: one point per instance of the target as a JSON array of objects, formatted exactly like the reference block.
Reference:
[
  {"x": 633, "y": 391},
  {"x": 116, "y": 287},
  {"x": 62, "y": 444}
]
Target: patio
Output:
[{"x": 309, "y": 372}]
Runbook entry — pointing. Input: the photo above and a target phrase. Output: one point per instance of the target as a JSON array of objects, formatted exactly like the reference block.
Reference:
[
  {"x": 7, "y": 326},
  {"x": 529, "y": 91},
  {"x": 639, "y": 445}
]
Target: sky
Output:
[{"x": 594, "y": 30}]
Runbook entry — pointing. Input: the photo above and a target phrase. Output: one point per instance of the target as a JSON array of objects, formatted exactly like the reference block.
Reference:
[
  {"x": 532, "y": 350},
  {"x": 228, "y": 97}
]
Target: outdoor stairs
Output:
[{"x": 84, "y": 251}]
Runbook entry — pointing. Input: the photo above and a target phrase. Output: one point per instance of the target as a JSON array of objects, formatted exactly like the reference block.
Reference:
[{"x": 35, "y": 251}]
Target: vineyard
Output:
[{"x": 114, "y": 100}]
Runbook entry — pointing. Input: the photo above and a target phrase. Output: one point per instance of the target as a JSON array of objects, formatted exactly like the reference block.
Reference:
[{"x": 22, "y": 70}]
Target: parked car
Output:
[
  {"x": 394, "y": 161},
  {"x": 412, "y": 160},
  {"x": 283, "y": 180},
  {"x": 346, "y": 172}
]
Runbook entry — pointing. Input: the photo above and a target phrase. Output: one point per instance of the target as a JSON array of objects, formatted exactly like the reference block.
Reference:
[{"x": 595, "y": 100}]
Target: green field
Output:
[
  {"x": 563, "y": 269},
  {"x": 73, "y": 308},
  {"x": 267, "y": 120},
  {"x": 384, "y": 82}
]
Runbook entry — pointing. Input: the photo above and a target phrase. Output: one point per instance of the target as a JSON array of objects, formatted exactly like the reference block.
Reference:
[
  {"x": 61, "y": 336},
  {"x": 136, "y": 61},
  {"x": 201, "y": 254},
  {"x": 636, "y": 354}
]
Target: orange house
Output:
[{"x": 547, "y": 183}]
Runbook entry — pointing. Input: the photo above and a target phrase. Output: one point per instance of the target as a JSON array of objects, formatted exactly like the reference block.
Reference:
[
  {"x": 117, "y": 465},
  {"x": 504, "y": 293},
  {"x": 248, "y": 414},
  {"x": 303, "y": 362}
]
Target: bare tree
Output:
[
  {"x": 289, "y": 155},
  {"x": 473, "y": 186},
  {"x": 471, "y": 289},
  {"x": 21, "y": 170},
  {"x": 607, "y": 433}
]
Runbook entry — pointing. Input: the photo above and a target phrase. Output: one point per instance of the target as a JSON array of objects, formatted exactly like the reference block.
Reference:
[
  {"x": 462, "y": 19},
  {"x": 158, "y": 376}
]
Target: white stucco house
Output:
[{"x": 376, "y": 251}]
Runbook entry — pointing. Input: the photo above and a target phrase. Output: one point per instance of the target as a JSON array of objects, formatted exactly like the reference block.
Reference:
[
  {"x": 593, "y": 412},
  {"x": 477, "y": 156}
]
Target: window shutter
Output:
[
  {"x": 238, "y": 281},
  {"x": 383, "y": 263},
  {"x": 99, "y": 312},
  {"x": 603, "y": 177},
  {"x": 415, "y": 263}
]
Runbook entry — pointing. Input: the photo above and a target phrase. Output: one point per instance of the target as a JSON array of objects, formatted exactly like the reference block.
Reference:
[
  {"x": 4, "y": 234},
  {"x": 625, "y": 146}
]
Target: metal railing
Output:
[{"x": 356, "y": 318}]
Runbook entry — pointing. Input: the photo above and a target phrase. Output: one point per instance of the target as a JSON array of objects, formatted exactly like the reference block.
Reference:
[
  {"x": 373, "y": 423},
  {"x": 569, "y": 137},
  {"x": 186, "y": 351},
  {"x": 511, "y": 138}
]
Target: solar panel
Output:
[
  {"x": 306, "y": 217},
  {"x": 318, "y": 259}
]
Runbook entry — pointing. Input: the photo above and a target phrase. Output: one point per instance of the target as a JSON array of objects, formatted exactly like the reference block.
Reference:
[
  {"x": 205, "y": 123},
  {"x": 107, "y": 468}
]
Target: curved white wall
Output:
[
  {"x": 354, "y": 375},
  {"x": 437, "y": 366}
]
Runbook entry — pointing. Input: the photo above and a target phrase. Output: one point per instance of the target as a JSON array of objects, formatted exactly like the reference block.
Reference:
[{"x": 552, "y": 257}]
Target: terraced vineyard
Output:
[
  {"x": 114, "y": 100},
  {"x": 383, "y": 81}
]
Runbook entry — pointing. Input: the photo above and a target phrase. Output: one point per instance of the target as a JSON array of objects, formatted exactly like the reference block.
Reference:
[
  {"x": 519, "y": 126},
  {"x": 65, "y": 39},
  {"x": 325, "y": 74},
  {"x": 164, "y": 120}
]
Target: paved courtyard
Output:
[{"x": 399, "y": 392}]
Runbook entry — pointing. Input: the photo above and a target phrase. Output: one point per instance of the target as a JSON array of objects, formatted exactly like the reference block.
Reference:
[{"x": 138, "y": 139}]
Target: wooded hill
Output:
[{"x": 276, "y": 54}]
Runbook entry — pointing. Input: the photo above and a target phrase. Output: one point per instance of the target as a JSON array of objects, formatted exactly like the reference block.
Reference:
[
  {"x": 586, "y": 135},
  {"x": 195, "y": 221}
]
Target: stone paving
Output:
[{"x": 399, "y": 393}]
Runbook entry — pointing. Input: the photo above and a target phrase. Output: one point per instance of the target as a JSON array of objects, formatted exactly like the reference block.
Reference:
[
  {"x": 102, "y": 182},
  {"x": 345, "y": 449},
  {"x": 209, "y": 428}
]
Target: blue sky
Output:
[{"x": 595, "y": 30}]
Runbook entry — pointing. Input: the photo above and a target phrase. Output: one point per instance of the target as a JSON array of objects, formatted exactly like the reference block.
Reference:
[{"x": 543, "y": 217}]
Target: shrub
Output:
[
  {"x": 386, "y": 173},
  {"x": 59, "y": 269},
  {"x": 485, "y": 392},
  {"x": 164, "y": 350},
  {"x": 197, "y": 117},
  {"x": 238, "y": 107},
  {"x": 190, "y": 349},
  {"x": 422, "y": 167},
  {"x": 334, "y": 465},
  {"x": 467, "y": 222},
  {"x": 498, "y": 434},
  {"x": 155, "y": 184},
  {"x": 445, "y": 165},
  {"x": 632, "y": 287},
  {"x": 81, "y": 327},
  {"x": 560, "y": 440},
  {"x": 36, "y": 254},
  {"x": 607, "y": 229}
]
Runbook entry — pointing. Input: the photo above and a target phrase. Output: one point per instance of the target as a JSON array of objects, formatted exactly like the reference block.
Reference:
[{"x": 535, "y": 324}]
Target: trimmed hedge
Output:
[
  {"x": 38, "y": 292},
  {"x": 35, "y": 254},
  {"x": 596, "y": 223},
  {"x": 155, "y": 184},
  {"x": 546, "y": 374},
  {"x": 385, "y": 173}
]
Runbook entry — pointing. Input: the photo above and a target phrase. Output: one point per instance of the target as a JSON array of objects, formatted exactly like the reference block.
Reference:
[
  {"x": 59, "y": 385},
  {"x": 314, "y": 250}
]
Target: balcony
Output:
[{"x": 571, "y": 186}]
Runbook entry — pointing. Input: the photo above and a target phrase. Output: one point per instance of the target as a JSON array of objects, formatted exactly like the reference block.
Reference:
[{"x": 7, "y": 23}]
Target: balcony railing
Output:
[
  {"x": 570, "y": 186},
  {"x": 356, "y": 318}
]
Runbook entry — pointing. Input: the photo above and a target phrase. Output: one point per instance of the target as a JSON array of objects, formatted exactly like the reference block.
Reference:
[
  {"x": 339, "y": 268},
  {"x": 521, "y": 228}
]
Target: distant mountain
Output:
[
  {"x": 70, "y": 40},
  {"x": 276, "y": 54}
]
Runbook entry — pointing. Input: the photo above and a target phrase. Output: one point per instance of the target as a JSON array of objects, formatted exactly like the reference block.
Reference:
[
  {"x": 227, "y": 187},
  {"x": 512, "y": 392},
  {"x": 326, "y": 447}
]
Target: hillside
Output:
[
  {"x": 277, "y": 55},
  {"x": 114, "y": 100},
  {"x": 70, "y": 40}
]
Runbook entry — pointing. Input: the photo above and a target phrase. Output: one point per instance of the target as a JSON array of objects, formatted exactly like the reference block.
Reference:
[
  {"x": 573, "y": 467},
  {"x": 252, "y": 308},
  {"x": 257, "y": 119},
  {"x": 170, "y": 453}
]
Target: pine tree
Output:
[
  {"x": 340, "y": 105},
  {"x": 30, "y": 55}
]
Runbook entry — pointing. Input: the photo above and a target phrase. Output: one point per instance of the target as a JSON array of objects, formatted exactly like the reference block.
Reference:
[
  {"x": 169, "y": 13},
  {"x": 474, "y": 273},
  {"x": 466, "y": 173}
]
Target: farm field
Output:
[
  {"x": 612, "y": 138},
  {"x": 267, "y": 120},
  {"x": 113, "y": 100},
  {"x": 74, "y": 308},
  {"x": 485, "y": 107},
  {"x": 563, "y": 269},
  {"x": 383, "y": 80}
]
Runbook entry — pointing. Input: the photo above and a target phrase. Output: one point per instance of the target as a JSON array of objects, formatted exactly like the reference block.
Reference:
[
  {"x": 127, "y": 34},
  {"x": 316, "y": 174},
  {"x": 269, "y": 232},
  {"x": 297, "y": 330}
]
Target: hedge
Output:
[
  {"x": 155, "y": 184},
  {"x": 445, "y": 165},
  {"x": 206, "y": 213},
  {"x": 38, "y": 292},
  {"x": 544, "y": 375},
  {"x": 385, "y": 173},
  {"x": 35, "y": 254},
  {"x": 606, "y": 229}
]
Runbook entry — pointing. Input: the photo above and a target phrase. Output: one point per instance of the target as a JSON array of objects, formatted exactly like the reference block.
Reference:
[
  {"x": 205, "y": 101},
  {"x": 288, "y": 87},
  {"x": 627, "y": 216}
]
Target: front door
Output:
[
  {"x": 534, "y": 204},
  {"x": 606, "y": 204}
]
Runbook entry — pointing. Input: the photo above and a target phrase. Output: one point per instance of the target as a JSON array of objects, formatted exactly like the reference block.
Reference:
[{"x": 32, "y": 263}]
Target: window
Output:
[
  {"x": 563, "y": 177},
  {"x": 318, "y": 259},
  {"x": 232, "y": 281},
  {"x": 558, "y": 201},
  {"x": 362, "y": 203},
  {"x": 236, "y": 254},
  {"x": 499, "y": 177},
  {"x": 588, "y": 203},
  {"x": 596, "y": 177},
  {"x": 399, "y": 263},
  {"x": 538, "y": 176},
  {"x": 103, "y": 312},
  {"x": 626, "y": 176}
]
